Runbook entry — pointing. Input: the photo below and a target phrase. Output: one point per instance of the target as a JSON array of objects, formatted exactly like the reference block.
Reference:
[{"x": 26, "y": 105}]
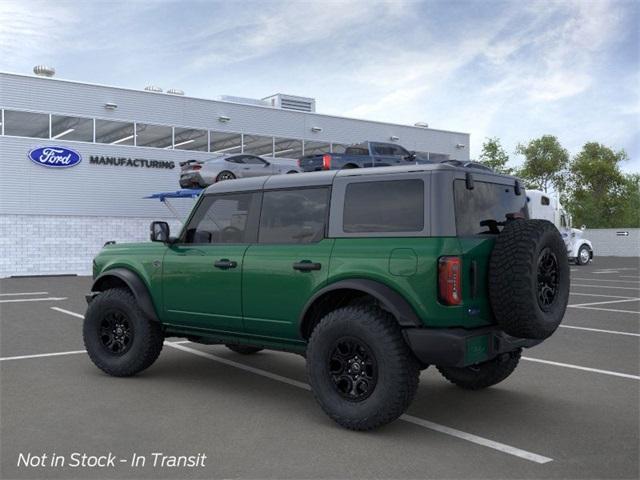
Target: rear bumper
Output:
[{"x": 458, "y": 347}]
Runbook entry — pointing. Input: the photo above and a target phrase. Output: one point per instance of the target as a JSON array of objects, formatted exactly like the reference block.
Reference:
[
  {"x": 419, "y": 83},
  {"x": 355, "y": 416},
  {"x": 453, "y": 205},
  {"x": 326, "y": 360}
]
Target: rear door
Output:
[{"x": 289, "y": 262}]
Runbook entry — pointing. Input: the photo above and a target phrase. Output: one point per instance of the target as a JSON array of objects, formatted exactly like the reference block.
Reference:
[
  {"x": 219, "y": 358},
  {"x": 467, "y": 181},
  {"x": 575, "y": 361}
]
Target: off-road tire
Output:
[
  {"x": 147, "y": 337},
  {"x": 514, "y": 278},
  {"x": 483, "y": 375},
  {"x": 397, "y": 369},
  {"x": 579, "y": 257},
  {"x": 243, "y": 349}
]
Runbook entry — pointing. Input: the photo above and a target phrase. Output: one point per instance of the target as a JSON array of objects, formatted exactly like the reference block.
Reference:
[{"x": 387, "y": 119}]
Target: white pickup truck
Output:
[{"x": 542, "y": 205}]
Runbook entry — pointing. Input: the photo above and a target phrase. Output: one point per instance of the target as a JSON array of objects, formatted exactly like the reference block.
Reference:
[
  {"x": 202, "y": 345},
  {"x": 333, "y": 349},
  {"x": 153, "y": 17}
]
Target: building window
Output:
[
  {"x": 26, "y": 124},
  {"x": 385, "y": 206},
  {"x": 221, "y": 142},
  {"x": 190, "y": 139},
  {"x": 71, "y": 128},
  {"x": 114, "y": 133},
  {"x": 287, "y": 148},
  {"x": 258, "y": 145},
  {"x": 316, "y": 148},
  {"x": 157, "y": 136}
]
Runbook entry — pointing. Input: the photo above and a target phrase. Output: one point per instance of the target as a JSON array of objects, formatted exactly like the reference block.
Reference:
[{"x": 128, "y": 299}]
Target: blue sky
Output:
[{"x": 515, "y": 70}]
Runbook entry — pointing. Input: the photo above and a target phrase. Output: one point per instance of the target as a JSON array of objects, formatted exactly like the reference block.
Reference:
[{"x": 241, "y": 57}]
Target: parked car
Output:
[
  {"x": 202, "y": 173},
  {"x": 372, "y": 275},
  {"x": 366, "y": 154},
  {"x": 544, "y": 206}
]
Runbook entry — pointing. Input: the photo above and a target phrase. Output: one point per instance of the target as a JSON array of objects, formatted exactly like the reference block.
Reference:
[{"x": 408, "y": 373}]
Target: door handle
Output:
[
  {"x": 225, "y": 264},
  {"x": 306, "y": 266}
]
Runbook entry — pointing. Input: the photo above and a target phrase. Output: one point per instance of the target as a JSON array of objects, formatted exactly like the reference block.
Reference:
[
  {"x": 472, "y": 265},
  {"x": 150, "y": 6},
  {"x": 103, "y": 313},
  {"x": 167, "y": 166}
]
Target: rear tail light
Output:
[
  {"x": 326, "y": 162},
  {"x": 299, "y": 162},
  {"x": 449, "y": 281}
]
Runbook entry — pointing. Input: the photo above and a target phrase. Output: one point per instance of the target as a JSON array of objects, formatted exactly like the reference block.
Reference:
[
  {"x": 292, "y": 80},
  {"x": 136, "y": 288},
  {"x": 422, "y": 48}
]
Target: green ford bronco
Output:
[{"x": 371, "y": 274}]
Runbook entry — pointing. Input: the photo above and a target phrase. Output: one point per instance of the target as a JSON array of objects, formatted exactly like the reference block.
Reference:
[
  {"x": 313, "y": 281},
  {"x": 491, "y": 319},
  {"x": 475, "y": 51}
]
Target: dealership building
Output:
[{"x": 127, "y": 144}]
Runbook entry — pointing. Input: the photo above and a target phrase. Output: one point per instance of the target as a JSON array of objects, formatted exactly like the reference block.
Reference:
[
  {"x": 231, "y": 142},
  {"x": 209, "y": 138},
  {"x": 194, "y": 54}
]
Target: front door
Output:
[
  {"x": 202, "y": 272},
  {"x": 253, "y": 166},
  {"x": 289, "y": 262}
]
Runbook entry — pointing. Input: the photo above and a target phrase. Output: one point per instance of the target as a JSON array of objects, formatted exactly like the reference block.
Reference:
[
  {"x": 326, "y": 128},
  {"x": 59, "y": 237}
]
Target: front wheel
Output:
[
  {"x": 119, "y": 338},
  {"x": 584, "y": 255},
  {"x": 360, "y": 369},
  {"x": 483, "y": 375}
]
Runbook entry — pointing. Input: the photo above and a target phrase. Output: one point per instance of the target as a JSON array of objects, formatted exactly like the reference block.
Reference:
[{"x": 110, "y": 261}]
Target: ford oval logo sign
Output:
[{"x": 55, "y": 157}]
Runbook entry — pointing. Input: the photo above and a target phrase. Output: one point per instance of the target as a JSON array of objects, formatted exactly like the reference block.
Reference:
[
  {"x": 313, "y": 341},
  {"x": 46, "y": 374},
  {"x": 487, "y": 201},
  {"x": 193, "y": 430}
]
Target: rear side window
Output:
[
  {"x": 225, "y": 218},
  {"x": 357, "y": 150},
  {"x": 294, "y": 216},
  {"x": 385, "y": 206},
  {"x": 483, "y": 209}
]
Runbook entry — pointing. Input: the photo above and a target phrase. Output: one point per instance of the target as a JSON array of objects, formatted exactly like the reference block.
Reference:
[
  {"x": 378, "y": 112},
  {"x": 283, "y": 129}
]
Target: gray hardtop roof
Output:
[{"x": 312, "y": 179}]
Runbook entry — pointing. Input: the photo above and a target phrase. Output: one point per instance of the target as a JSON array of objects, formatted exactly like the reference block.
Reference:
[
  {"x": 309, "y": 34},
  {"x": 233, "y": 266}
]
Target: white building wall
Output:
[{"x": 52, "y": 244}]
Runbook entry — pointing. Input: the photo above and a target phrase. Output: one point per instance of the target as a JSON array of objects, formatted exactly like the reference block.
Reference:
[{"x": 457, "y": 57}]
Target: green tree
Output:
[
  {"x": 600, "y": 195},
  {"x": 545, "y": 163},
  {"x": 494, "y": 156}
]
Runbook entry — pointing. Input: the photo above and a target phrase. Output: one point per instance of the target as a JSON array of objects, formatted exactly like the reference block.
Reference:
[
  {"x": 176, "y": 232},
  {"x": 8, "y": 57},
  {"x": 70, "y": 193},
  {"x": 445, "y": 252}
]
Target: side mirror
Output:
[
  {"x": 583, "y": 227},
  {"x": 159, "y": 232}
]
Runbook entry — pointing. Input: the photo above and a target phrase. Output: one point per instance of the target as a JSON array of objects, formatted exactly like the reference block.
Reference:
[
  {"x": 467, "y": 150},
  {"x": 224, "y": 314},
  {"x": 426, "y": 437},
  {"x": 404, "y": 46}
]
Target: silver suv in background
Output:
[{"x": 202, "y": 173}]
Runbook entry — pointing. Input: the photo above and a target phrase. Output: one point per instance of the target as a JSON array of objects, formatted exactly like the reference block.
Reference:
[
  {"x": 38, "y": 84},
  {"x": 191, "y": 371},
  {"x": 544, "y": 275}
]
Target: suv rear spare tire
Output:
[{"x": 529, "y": 278}]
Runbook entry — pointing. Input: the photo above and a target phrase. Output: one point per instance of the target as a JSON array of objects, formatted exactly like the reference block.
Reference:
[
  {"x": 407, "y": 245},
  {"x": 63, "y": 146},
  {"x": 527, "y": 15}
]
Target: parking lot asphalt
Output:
[{"x": 570, "y": 410}]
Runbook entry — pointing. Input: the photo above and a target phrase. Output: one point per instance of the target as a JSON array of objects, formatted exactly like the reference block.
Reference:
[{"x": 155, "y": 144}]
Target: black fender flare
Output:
[
  {"x": 135, "y": 284},
  {"x": 392, "y": 300}
]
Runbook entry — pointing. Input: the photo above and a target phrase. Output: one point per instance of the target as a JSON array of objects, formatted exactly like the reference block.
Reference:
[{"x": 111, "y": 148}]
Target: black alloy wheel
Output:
[
  {"x": 116, "y": 332},
  {"x": 353, "y": 369},
  {"x": 547, "y": 278}
]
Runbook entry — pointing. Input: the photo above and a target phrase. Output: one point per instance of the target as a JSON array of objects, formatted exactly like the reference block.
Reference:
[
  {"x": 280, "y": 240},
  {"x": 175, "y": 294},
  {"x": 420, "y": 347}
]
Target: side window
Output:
[
  {"x": 225, "y": 218},
  {"x": 399, "y": 151},
  {"x": 237, "y": 159},
  {"x": 544, "y": 200},
  {"x": 563, "y": 220},
  {"x": 384, "y": 206},
  {"x": 250, "y": 159},
  {"x": 294, "y": 216}
]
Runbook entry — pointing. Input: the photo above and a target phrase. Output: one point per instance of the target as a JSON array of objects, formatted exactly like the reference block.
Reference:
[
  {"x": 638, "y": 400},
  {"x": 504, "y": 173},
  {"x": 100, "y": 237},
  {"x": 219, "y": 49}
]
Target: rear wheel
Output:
[
  {"x": 584, "y": 255},
  {"x": 483, "y": 375},
  {"x": 225, "y": 175},
  {"x": 119, "y": 338},
  {"x": 243, "y": 349},
  {"x": 361, "y": 371}
]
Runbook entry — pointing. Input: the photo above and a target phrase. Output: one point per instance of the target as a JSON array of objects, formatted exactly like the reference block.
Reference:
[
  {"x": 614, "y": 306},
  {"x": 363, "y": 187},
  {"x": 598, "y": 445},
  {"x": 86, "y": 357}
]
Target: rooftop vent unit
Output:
[
  {"x": 175, "y": 91},
  {"x": 421, "y": 124},
  {"x": 44, "y": 71},
  {"x": 153, "y": 88},
  {"x": 244, "y": 100},
  {"x": 292, "y": 102}
]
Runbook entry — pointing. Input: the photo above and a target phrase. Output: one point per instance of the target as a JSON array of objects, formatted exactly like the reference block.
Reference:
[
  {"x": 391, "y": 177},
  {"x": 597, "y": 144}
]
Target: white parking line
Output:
[
  {"x": 597, "y": 295},
  {"x": 48, "y": 299},
  {"x": 533, "y": 457},
  {"x": 610, "y": 310},
  {"x": 607, "y": 286},
  {"x": 600, "y": 330},
  {"x": 62, "y": 310},
  {"x": 41, "y": 355},
  {"x": 22, "y": 293},
  {"x": 586, "y": 369},
  {"x": 603, "y": 303},
  {"x": 630, "y": 276},
  {"x": 603, "y": 280}
]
